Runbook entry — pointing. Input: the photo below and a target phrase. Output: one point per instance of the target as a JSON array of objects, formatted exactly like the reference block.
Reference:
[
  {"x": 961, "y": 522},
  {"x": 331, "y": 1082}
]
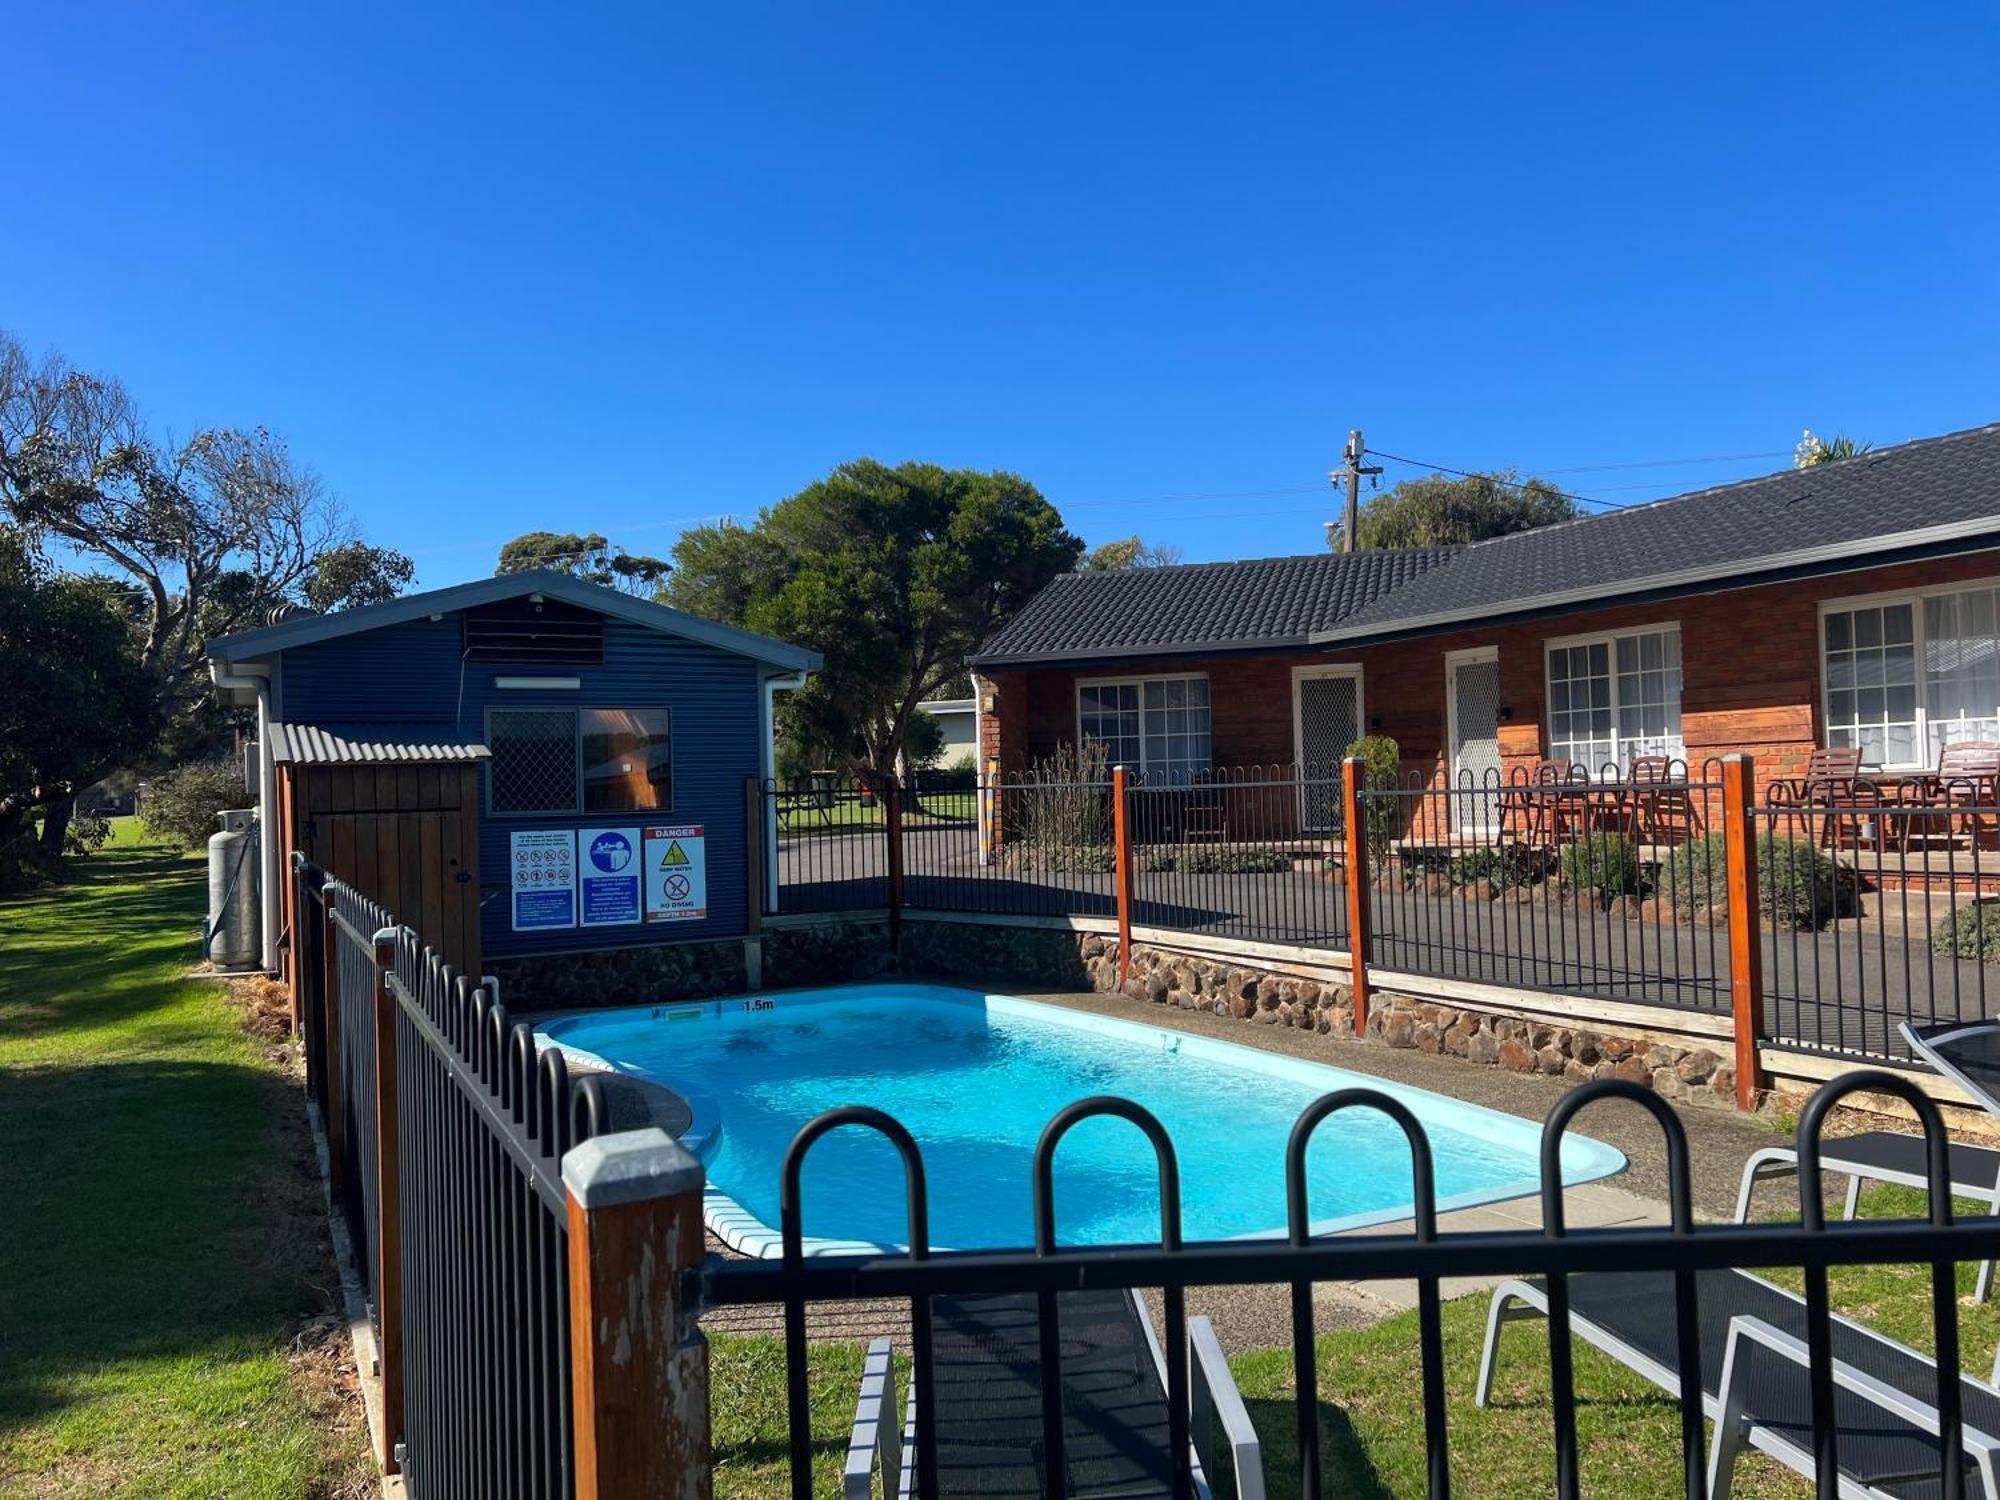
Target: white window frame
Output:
[
  {"x": 1919, "y": 641},
  {"x": 1325, "y": 669},
  {"x": 1140, "y": 683},
  {"x": 1609, "y": 640}
]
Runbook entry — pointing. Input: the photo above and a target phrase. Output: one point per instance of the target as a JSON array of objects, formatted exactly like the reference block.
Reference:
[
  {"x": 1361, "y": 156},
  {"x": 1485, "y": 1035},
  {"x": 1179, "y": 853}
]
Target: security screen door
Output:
[
  {"x": 1326, "y": 713},
  {"x": 1475, "y": 739}
]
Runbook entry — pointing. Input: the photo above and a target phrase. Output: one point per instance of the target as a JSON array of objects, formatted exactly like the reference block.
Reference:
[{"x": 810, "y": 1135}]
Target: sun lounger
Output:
[
  {"x": 986, "y": 1374},
  {"x": 1884, "y": 1156},
  {"x": 1755, "y": 1385}
]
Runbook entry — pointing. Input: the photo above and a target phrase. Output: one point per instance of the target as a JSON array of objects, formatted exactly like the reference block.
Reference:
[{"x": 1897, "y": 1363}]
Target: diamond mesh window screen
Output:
[{"x": 534, "y": 759}]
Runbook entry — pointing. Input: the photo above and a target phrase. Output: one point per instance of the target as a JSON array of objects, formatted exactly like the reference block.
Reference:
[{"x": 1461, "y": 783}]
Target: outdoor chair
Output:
[
  {"x": 1755, "y": 1378},
  {"x": 1542, "y": 811},
  {"x": 1966, "y": 785},
  {"x": 986, "y": 1360},
  {"x": 1663, "y": 806},
  {"x": 1884, "y": 1156}
]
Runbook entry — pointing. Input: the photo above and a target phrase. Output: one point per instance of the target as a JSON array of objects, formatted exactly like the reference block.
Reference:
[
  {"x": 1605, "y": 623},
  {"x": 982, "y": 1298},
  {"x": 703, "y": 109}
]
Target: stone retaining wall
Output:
[
  {"x": 622, "y": 976},
  {"x": 1307, "y": 999},
  {"x": 835, "y": 951}
]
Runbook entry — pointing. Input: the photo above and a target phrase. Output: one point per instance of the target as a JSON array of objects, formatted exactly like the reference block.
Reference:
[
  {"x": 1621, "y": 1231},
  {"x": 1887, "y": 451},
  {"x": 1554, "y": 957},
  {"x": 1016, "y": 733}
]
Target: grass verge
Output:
[{"x": 166, "y": 1291}]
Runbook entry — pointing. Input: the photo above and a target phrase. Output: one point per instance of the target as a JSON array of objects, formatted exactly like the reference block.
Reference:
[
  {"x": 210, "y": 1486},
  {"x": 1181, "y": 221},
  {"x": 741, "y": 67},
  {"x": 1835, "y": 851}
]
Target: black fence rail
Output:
[
  {"x": 1035, "y": 845},
  {"x": 354, "y": 922},
  {"x": 1676, "y": 1304},
  {"x": 1877, "y": 902},
  {"x": 1600, "y": 886},
  {"x": 1245, "y": 851},
  {"x": 829, "y": 838},
  {"x": 483, "y": 1120}
]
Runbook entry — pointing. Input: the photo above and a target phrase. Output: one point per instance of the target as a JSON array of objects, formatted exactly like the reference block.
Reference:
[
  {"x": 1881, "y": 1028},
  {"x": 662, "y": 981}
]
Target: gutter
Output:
[{"x": 267, "y": 802}]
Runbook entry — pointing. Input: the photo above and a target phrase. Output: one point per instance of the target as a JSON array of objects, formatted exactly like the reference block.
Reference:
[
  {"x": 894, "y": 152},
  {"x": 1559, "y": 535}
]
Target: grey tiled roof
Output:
[
  {"x": 1934, "y": 490},
  {"x": 370, "y": 745},
  {"x": 1272, "y": 601}
]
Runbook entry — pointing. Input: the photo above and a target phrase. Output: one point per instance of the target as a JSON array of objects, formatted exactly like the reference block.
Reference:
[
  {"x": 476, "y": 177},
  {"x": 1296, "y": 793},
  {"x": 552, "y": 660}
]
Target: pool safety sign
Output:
[
  {"x": 676, "y": 873},
  {"x": 543, "y": 868},
  {"x": 609, "y": 867}
]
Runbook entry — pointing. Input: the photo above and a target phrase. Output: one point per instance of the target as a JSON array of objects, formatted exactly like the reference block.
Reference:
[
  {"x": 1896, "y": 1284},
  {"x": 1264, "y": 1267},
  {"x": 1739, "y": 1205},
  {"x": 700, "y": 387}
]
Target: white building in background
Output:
[{"x": 959, "y": 720}]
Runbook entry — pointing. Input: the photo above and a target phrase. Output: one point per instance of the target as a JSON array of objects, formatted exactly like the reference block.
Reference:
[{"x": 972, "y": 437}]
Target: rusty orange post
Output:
[
  {"x": 1121, "y": 843},
  {"x": 1354, "y": 826},
  {"x": 639, "y": 1406},
  {"x": 1746, "y": 951}
]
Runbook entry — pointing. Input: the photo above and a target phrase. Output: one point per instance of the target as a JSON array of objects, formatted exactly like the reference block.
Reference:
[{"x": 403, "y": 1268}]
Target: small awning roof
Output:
[{"x": 371, "y": 745}]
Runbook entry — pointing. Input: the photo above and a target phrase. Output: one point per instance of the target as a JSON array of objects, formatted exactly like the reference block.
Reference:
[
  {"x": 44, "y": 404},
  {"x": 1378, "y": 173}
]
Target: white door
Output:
[
  {"x": 1472, "y": 696},
  {"x": 1326, "y": 719}
]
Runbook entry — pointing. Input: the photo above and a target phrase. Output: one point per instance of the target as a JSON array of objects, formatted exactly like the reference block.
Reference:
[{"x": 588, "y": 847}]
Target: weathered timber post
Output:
[
  {"x": 336, "y": 1101},
  {"x": 639, "y": 1365},
  {"x": 388, "y": 1205},
  {"x": 1354, "y": 826},
  {"x": 753, "y": 851},
  {"x": 1121, "y": 867},
  {"x": 1746, "y": 950}
]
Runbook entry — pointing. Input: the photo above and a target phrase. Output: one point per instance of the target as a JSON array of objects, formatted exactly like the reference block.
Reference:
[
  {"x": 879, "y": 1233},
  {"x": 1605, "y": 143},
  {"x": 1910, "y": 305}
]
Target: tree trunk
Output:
[{"x": 55, "y": 825}]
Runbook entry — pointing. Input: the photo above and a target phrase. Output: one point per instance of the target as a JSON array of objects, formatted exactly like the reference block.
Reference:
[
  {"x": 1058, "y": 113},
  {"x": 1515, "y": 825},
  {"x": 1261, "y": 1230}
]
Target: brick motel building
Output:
[{"x": 1854, "y": 604}]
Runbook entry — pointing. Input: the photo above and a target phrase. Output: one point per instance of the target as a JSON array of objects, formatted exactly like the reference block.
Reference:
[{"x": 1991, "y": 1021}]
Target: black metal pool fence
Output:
[
  {"x": 537, "y": 1326},
  {"x": 1859, "y": 913}
]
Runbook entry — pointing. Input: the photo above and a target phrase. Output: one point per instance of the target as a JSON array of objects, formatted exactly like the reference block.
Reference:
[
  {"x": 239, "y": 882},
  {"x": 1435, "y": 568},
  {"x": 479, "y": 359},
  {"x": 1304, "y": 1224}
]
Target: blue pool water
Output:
[{"x": 975, "y": 1078}]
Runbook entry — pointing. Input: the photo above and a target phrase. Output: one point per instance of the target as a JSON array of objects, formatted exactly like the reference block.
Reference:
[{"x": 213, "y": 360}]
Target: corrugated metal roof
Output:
[{"x": 370, "y": 744}]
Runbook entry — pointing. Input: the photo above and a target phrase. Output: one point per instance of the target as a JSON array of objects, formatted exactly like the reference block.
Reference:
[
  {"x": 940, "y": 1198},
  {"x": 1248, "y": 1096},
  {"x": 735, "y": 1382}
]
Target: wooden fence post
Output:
[
  {"x": 1354, "y": 827},
  {"x": 638, "y": 1364},
  {"x": 1121, "y": 867},
  {"x": 388, "y": 1206},
  {"x": 753, "y": 850},
  {"x": 1746, "y": 950},
  {"x": 336, "y": 1104},
  {"x": 891, "y": 793}
]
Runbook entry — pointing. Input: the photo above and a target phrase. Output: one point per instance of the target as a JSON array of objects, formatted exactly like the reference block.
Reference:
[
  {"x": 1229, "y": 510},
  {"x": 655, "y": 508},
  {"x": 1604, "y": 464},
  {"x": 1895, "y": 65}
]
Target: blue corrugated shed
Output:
[{"x": 411, "y": 670}]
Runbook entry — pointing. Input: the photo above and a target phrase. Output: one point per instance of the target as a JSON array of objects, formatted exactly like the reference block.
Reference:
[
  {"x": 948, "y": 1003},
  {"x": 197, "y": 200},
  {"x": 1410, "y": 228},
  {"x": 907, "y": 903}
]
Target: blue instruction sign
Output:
[
  {"x": 542, "y": 870},
  {"x": 611, "y": 873}
]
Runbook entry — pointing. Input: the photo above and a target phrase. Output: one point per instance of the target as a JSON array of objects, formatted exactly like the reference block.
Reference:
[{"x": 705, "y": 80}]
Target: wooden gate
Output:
[{"x": 406, "y": 836}]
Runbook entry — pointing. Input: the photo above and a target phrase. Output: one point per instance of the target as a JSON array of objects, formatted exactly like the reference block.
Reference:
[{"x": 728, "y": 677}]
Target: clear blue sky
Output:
[{"x": 494, "y": 267}]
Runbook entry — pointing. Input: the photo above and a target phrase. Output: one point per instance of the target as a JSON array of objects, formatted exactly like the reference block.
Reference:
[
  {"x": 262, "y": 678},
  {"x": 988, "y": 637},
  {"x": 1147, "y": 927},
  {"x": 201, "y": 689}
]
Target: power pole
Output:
[{"x": 1352, "y": 472}]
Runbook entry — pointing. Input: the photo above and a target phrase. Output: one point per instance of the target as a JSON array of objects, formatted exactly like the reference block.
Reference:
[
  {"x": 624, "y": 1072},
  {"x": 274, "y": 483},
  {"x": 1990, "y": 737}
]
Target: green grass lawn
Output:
[
  {"x": 162, "y": 1264},
  {"x": 1371, "y": 1427},
  {"x": 798, "y": 815}
]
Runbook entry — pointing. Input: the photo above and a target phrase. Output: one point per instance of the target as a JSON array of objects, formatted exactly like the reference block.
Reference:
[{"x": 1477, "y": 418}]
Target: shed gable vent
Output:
[{"x": 549, "y": 633}]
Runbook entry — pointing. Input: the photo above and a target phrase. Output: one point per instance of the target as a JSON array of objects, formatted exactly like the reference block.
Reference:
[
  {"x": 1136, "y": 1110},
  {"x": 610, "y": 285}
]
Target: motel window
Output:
[
  {"x": 1905, "y": 677},
  {"x": 566, "y": 760},
  {"x": 1157, "y": 726},
  {"x": 1613, "y": 698}
]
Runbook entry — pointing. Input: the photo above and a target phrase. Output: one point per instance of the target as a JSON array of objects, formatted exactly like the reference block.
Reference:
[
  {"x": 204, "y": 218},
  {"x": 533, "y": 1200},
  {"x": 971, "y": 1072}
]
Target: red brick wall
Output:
[{"x": 1750, "y": 679}]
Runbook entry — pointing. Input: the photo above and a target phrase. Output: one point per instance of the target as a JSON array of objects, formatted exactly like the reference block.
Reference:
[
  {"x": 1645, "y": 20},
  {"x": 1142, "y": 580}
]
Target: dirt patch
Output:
[
  {"x": 321, "y": 1368},
  {"x": 265, "y": 1007}
]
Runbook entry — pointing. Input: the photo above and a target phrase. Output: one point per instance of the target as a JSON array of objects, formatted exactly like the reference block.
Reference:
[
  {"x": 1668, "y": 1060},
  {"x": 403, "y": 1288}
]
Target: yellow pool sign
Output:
[{"x": 676, "y": 860}]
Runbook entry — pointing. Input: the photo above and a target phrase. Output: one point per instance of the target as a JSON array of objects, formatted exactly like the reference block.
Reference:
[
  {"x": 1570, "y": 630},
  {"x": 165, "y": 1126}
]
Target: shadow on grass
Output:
[
  {"x": 1345, "y": 1468},
  {"x": 156, "y": 1211}
]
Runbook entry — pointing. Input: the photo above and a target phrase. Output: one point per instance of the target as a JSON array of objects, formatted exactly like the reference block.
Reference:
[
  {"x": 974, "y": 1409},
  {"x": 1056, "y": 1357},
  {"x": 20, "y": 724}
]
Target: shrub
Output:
[
  {"x": 1798, "y": 884},
  {"x": 1504, "y": 867},
  {"x": 1607, "y": 863},
  {"x": 182, "y": 805},
  {"x": 1382, "y": 771},
  {"x": 1219, "y": 859},
  {"x": 1970, "y": 932},
  {"x": 1066, "y": 799},
  {"x": 87, "y": 832}
]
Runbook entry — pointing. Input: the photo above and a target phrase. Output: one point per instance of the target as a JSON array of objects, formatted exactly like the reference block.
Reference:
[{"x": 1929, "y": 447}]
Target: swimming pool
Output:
[{"x": 975, "y": 1077}]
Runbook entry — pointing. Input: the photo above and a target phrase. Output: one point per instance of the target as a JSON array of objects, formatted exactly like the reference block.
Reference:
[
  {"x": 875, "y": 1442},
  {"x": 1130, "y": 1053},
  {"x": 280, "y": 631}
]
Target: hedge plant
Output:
[
  {"x": 1219, "y": 859},
  {"x": 181, "y": 806},
  {"x": 1969, "y": 932},
  {"x": 1799, "y": 885},
  {"x": 1607, "y": 863},
  {"x": 1503, "y": 867},
  {"x": 1382, "y": 771}
]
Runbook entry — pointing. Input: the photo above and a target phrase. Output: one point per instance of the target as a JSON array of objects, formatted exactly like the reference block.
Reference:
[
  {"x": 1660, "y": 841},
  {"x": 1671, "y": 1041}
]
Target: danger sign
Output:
[{"x": 676, "y": 861}]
